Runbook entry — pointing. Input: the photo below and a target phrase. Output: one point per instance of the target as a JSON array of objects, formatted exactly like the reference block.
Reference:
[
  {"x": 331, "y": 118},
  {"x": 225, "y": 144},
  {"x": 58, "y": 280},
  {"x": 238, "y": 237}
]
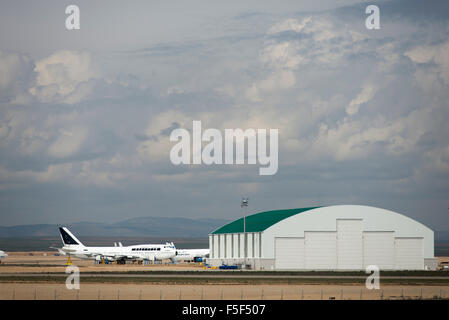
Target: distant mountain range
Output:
[{"x": 134, "y": 227}]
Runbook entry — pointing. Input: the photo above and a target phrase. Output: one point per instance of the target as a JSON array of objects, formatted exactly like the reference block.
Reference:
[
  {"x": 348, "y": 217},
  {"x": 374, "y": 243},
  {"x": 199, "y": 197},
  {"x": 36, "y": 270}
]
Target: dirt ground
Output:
[
  {"x": 44, "y": 262},
  {"x": 88, "y": 291},
  {"x": 32, "y": 262},
  {"x": 443, "y": 259}
]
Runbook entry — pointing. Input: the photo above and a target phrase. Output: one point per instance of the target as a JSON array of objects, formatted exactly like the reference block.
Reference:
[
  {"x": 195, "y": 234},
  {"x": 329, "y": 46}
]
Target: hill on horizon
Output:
[{"x": 133, "y": 227}]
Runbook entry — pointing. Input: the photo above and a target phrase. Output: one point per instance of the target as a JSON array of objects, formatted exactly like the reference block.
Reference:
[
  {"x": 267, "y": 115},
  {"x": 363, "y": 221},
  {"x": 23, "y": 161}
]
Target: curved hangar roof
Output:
[{"x": 260, "y": 221}]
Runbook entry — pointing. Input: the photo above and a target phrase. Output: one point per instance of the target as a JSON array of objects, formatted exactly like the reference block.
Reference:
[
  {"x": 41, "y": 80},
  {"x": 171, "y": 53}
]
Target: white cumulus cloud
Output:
[
  {"x": 364, "y": 96},
  {"x": 432, "y": 54},
  {"x": 63, "y": 77}
]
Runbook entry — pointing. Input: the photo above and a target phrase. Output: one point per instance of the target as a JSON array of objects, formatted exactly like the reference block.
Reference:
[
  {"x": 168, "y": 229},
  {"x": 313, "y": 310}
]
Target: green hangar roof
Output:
[{"x": 259, "y": 221}]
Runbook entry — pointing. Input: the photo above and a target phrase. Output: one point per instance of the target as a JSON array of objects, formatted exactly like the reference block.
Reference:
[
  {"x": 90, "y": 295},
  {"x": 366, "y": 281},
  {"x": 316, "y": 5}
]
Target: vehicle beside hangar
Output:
[{"x": 342, "y": 237}]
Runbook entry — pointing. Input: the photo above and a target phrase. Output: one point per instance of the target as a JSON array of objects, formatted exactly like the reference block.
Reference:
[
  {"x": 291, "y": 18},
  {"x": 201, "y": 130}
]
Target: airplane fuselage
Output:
[
  {"x": 139, "y": 252},
  {"x": 190, "y": 254}
]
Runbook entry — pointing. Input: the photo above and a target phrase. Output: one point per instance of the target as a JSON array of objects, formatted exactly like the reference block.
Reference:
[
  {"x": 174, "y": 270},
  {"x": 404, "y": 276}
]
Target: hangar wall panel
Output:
[
  {"x": 409, "y": 253},
  {"x": 242, "y": 245},
  {"x": 222, "y": 246},
  {"x": 249, "y": 245},
  {"x": 229, "y": 246},
  {"x": 236, "y": 245},
  {"x": 289, "y": 253},
  {"x": 256, "y": 245},
  {"x": 216, "y": 245},
  {"x": 349, "y": 244},
  {"x": 321, "y": 250},
  {"x": 378, "y": 249}
]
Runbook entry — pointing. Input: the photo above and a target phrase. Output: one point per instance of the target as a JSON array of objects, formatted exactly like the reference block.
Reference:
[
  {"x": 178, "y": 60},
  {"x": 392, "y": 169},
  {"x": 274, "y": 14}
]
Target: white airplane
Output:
[
  {"x": 74, "y": 247},
  {"x": 190, "y": 254},
  {"x": 3, "y": 254}
]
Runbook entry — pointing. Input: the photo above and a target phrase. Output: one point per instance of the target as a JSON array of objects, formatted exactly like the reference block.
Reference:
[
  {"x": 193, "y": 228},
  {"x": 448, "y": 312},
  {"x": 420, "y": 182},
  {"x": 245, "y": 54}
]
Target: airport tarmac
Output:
[{"x": 47, "y": 262}]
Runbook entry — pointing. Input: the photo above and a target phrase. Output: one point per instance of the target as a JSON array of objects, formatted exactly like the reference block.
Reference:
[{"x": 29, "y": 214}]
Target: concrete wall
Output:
[{"x": 231, "y": 245}]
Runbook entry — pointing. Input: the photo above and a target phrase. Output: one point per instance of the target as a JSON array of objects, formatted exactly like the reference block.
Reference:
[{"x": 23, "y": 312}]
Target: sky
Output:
[{"x": 86, "y": 115}]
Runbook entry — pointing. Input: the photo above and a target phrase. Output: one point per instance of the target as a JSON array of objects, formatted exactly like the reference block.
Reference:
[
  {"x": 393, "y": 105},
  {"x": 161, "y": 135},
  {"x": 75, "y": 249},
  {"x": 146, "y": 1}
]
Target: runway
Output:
[{"x": 217, "y": 275}]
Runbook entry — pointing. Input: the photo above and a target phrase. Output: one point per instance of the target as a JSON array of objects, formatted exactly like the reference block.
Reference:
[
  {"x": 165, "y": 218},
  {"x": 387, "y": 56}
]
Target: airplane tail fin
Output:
[{"x": 68, "y": 238}]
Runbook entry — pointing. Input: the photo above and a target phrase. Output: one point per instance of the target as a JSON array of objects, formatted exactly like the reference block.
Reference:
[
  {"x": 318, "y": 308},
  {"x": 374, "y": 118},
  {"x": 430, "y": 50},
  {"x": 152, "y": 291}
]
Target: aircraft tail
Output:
[{"x": 68, "y": 238}]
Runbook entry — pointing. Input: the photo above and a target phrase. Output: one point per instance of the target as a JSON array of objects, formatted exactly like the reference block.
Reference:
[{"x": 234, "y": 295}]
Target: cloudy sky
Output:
[{"x": 85, "y": 115}]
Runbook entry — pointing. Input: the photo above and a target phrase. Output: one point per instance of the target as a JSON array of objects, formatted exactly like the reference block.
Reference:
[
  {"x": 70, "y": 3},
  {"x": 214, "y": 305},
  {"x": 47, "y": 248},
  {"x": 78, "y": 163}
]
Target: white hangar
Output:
[{"x": 343, "y": 237}]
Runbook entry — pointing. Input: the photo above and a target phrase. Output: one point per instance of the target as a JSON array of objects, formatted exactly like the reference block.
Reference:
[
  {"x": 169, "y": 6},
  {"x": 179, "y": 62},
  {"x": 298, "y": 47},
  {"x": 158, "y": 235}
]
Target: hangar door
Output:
[
  {"x": 321, "y": 250},
  {"x": 349, "y": 244},
  {"x": 409, "y": 253},
  {"x": 289, "y": 253},
  {"x": 378, "y": 249}
]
